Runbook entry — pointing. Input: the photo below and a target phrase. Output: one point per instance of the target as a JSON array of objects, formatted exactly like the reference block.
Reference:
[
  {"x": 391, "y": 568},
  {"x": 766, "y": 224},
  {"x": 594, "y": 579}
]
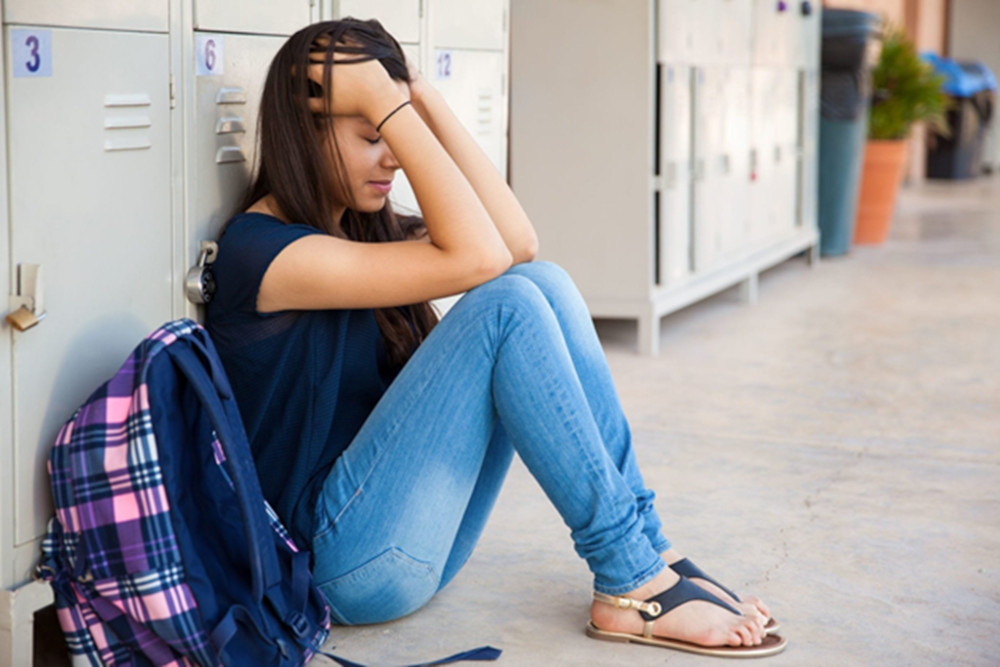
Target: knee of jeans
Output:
[
  {"x": 510, "y": 290},
  {"x": 541, "y": 271},
  {"x": 389, "y": 586}
]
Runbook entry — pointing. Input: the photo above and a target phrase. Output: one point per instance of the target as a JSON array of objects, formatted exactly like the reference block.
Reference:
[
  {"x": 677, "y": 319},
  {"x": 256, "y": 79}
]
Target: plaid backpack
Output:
[{"x": 163, "y": 550}]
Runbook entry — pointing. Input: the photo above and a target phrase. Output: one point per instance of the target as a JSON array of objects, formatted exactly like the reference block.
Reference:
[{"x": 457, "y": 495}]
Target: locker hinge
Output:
[
  {"x": 173, "y": 93},
  {"x": 421, "y": 9}
]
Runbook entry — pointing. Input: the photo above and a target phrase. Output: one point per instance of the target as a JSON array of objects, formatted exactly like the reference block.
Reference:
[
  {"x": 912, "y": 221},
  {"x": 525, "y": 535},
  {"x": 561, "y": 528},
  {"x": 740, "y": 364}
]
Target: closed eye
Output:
[{"x": 373, "y": 141}]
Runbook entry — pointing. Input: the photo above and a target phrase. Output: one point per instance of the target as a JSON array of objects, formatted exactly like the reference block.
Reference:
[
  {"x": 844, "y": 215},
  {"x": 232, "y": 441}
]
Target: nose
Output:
[{"x": 388, "y": 160}]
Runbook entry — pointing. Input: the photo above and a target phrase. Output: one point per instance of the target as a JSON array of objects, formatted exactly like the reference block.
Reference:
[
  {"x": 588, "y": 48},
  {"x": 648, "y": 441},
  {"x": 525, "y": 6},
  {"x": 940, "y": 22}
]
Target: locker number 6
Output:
[{"x": 210, "y": 54}]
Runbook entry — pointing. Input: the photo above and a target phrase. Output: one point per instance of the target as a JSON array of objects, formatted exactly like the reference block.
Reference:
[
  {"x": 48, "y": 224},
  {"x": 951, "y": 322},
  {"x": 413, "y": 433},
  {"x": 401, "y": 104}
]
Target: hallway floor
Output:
[{"x": 834, "y": 448}]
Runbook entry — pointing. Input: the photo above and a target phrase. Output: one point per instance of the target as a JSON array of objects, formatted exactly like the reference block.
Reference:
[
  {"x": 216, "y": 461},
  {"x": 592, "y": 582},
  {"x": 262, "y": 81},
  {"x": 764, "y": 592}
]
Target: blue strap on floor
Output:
[{"x": 481, "y": 654}]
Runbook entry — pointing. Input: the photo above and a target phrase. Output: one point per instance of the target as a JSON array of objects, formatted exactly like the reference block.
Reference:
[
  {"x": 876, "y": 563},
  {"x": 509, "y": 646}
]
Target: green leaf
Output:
[{"x": 905, "y": 91}]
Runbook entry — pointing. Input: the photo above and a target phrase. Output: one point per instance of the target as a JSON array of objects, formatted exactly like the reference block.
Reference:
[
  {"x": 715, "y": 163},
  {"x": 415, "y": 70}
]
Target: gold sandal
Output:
[{"x": 658, "y": 605}]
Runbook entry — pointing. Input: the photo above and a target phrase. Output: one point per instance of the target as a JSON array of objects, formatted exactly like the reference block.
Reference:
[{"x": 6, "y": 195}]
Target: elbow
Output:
[{"x": 527, "y": 250}]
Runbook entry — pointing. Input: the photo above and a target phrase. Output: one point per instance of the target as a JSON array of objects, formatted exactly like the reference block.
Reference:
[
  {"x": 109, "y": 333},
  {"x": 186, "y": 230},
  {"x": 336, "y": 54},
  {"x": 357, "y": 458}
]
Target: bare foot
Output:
[
  {"x": 698, "y": 622},
  {"x": 750, "y": 605}
]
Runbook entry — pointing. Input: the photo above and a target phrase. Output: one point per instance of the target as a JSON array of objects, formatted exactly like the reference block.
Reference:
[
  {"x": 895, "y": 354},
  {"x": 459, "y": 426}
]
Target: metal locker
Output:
[
  {"x": 806, "y": 215},
  {"x": 709, "y": 126},
  {"x": 474, "y": 87},
  {"x": 735, "y": 26},
  {"x": 460, "y": 24},
  {"x": 771, "y": 32},
  {"x": 90, "y": 202},
  {"x": 268, "y": 17},
  {"x": 676, "y": 30},
  {"x": 736, "y": 161},
  {"x": 675, "y": 173},
  {"x": 221, "y": 145},
  {"x": 138, "y": 15},
  {"x": 786, "y": 149},
  {"x": 762, "y": 147},
  {"x": 804, "y": 37},
  {"x": 707, "y": 44},
  {"x": 401, "y": 18}
]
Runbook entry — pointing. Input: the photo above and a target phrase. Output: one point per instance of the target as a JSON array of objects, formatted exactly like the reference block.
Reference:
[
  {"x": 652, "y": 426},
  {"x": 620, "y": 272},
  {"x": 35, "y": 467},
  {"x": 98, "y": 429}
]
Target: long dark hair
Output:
[{"x": 294, "y": 164}]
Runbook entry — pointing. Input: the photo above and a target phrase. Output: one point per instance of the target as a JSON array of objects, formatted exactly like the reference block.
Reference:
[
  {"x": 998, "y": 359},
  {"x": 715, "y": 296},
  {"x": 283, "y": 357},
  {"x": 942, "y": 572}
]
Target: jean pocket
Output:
[{"x": 389, "y": 586}]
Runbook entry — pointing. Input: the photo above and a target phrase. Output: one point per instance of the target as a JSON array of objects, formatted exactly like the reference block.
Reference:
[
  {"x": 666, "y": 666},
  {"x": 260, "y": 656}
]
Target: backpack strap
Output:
[{"x": 228, "y": 429}]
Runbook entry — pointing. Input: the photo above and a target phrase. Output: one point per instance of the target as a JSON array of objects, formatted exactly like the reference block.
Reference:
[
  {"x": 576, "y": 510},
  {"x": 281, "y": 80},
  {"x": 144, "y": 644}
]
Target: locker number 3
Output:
[
  {"x": 209, "y": 55},
  {"x": 32, "y": 52},
  {"x": 442, "y": 70}
]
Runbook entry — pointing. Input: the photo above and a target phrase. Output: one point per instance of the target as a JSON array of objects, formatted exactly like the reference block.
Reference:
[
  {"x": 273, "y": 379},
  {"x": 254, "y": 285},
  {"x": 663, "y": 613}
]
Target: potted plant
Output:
[{"x": 905, "y": 91}]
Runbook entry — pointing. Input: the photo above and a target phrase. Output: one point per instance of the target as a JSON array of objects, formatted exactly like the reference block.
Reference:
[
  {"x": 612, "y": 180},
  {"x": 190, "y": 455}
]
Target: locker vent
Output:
[
  {"x": 484, "y": 113},
  {"x": 126, "y": 128},
  {"x": 230, "y": 124}
]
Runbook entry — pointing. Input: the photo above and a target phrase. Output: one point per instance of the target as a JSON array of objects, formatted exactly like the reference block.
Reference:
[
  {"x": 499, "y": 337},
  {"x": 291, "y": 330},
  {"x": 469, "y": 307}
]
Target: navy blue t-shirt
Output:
[{"x": 305, "y": 381}]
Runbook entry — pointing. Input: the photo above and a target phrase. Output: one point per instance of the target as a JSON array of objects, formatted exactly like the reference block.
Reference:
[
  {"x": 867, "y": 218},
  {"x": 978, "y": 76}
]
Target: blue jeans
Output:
[{"x": 514, "y": 366}]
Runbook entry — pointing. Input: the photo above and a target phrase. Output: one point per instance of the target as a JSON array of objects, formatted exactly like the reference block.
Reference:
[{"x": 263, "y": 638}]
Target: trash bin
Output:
[
  {"x": 972, "y": 88},
  {"x": 845, "y": 94}
]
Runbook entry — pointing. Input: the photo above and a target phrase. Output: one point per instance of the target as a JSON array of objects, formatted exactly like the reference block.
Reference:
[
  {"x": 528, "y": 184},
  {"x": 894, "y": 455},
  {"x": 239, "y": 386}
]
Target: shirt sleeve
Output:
[{"x": 247, "y": 247}]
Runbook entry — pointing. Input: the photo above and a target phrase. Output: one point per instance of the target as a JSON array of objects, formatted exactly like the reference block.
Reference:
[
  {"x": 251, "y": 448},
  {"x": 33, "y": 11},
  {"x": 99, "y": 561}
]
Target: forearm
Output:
[
  {"x": 492, "y": 190},
  {"x": 456, "y": 219}
]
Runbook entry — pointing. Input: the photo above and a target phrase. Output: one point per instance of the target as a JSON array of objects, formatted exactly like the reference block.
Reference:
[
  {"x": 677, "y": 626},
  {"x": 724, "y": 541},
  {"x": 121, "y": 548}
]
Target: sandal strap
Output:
[
  {"x": 686, "y": 568},
  {"x": 683, "y": 591},
  {"x": 658, "y": 605},
  {"x": 622, "y": 602}
]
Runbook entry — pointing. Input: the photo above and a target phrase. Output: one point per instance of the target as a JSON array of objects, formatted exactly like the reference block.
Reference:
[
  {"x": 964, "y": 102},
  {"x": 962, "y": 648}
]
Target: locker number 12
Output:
[{"x": 442, "y": 61}]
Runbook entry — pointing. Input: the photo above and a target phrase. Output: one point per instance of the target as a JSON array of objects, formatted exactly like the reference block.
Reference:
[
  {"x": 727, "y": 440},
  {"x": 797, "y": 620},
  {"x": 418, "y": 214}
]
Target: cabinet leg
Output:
[
  {"x": 17, "y": 621},
  {"x": 812, "y": 255},
  {"x": 649, "y": 335},
  {"x": 748, "y": 289}
]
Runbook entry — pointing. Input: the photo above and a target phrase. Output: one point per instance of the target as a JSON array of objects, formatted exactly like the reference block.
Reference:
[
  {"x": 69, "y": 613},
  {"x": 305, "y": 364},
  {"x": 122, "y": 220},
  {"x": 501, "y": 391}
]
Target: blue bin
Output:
[
  {"x": 972, "y": 88},
  {"x": 845, "y": 96}
]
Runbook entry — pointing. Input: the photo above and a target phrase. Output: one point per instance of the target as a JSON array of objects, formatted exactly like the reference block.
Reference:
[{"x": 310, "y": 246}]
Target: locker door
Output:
[
  {"x": 89, "y": 167},
  {"x": 736, "y": 162},
  {"x": 222, "y": 144},
  {"x": 475, "y": 87},
  {"x": 460, "y": 24},
  {"x": 762, "y": 150},
  {"x": 709, "y": 176},
  {"x": 771, "y": 25},
  {"x": 735, "y": 28},
  {"x": 675, "y": 171},
  {"x": 144, "y": 15},
  {"x": 786, "y": 149},
  {"x": 676, "y": 31},
  {"x": 400, "y": 17},
  {"x": 707, "y": 41},
  {"x": 269, "y": 17},
  {"x": 809, "y": 148}
]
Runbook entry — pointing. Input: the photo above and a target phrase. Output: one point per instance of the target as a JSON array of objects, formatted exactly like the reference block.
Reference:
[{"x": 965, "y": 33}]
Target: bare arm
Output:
[
  {"x": 465, "y": 249},
  {"x": 498, "y": 199}
]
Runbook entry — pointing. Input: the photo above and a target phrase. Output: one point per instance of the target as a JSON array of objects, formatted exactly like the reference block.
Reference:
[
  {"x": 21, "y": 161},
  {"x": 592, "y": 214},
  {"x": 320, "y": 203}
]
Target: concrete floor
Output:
[{"x": 834, "y": 449}]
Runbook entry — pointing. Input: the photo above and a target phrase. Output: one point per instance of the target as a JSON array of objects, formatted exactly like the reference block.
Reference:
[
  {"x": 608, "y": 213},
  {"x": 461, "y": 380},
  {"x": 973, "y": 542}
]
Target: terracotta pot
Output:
[{"x": 881, "y": 176}]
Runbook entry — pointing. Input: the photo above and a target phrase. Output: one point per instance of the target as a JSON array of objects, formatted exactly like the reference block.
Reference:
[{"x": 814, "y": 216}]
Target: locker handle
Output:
[{"x": 27, "y": 307}]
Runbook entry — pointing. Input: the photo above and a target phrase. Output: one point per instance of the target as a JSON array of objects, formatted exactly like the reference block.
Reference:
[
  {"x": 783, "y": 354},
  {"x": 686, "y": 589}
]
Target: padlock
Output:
[
  {"x": 200, "y": 283},
  {"x": 23, "y": 319}
]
